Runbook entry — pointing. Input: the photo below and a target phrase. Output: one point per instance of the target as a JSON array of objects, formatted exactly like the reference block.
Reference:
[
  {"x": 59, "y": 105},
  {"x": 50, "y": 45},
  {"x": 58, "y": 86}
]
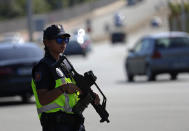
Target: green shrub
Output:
[
  {"x": 176, "y": 16},
  {"x": 15, "y": 8}
]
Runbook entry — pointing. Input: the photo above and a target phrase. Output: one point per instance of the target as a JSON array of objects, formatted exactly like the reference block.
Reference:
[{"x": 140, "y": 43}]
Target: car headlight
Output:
[
  {"x": 80, "y": 39},
  {"x": 80, "y": 36}
]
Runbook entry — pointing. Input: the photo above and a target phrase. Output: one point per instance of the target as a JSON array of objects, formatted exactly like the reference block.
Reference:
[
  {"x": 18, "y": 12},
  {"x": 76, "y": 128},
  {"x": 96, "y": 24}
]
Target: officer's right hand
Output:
[{"x": 71, "y": 88}]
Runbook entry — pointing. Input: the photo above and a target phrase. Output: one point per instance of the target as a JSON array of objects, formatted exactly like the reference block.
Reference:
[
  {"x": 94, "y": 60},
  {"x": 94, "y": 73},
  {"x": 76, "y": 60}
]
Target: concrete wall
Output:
[{"x": 65, "y": 14}]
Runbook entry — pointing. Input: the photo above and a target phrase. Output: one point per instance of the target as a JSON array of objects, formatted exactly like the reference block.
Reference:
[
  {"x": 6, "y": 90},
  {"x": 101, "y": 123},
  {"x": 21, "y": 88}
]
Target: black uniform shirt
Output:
[{"x": 42, "y": 74}]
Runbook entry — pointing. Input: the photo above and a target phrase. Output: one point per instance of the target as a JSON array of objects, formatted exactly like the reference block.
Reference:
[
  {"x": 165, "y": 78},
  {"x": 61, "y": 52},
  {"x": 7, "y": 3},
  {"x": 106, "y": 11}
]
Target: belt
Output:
[{"x": 62, "y": 118}]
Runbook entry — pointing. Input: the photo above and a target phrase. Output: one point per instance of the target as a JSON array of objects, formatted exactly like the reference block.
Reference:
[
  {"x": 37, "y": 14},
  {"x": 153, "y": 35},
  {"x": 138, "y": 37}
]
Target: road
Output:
[
  {"x": 140, "y": 106},
  {"x": 133, "y": 17}
]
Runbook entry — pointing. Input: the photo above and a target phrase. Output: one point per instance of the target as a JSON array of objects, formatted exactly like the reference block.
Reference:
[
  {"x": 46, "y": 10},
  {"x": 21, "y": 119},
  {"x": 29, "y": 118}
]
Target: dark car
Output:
[
  {"x": 80, "y": 44},
  {"x": 118, "y": 20},
  {"x": 117, "y": 32},
  {"x": 156, "y": 22},
  {"x": 132, "y": 2},
  {"x": 16, "y": 62},
  {"x": 118, "y": 37},
  {"x": 159, "y": 53}
]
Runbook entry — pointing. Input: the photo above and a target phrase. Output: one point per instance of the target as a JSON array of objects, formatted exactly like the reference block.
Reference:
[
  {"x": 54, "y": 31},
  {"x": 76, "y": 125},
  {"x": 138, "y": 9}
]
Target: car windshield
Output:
[{"x": 173, "y": 42}]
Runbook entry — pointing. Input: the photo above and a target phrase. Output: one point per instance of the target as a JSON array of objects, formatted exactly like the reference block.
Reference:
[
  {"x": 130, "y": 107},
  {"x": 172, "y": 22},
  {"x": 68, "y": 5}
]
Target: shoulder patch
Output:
[{"x": 38, "y": 76}]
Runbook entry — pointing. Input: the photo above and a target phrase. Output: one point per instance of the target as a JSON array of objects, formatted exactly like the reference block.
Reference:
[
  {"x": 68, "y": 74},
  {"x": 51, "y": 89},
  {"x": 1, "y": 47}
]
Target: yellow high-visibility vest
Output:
[{"x": 64, "y": 102}]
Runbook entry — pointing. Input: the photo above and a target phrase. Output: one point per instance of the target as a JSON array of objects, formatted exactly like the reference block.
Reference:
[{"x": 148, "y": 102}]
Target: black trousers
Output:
[
  {"x": 61, "y": 121},
  {"x": 61, "y": 127}
]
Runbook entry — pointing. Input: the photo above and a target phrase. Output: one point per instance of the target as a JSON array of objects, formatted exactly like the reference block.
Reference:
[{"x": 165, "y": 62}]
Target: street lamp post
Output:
[
  {"x": 183, "y": 17},
  {"x": 29, "y": 19}
]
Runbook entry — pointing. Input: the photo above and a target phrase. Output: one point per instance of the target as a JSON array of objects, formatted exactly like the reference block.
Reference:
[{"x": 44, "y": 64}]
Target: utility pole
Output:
[
  {"x": 29, "y": 19},
  {"x": 183, "y": 16}
]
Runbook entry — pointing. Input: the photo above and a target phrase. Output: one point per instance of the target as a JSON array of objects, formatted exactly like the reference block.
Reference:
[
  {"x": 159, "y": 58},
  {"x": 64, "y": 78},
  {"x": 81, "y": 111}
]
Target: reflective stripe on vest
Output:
[
  {"x": 67, "y": 107},
  {"x": 49, "y": 107}
]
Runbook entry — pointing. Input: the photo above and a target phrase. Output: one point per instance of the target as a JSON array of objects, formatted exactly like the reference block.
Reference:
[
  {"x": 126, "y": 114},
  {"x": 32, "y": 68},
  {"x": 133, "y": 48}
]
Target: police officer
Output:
[{"x": 56, "y": 94}]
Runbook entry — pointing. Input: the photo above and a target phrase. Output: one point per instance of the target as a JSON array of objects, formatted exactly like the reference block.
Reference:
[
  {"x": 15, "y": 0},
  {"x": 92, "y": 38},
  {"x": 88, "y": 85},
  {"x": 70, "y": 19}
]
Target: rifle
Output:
[{"x": 84, "y": 82}]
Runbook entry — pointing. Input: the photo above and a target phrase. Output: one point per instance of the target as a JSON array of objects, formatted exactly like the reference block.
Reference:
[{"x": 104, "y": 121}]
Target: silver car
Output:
[{"x": 159, "y": 53}]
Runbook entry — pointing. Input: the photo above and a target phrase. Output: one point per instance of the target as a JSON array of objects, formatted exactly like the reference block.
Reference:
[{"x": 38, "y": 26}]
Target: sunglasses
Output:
[{"x": 60, "y": 40}]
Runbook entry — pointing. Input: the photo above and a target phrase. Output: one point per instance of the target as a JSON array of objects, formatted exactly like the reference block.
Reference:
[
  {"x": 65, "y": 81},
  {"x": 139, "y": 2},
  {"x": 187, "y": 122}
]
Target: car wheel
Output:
[
  {"x": 84, "y": 54},
  {"x": 113, "y": 41},
  {"x": 26, "y": 98},
  {"x": 173, "y": 76},
  {"x": 150, "y": 75},
  {"x": 130, "y": 77}
]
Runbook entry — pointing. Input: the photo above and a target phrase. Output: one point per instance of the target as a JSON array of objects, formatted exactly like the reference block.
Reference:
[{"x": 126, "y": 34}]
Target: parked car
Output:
[
  {"x": 80, "y": 44},
  {"x": 159, "y": 53},
  {"x": 16, "y": 62}
]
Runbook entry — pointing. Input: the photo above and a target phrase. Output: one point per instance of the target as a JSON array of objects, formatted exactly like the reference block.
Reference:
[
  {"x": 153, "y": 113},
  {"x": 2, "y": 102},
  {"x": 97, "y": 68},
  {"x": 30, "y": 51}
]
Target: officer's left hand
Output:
[
  {"x": 97, "y": 99},
  {"x": 72, "y": 88}
]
